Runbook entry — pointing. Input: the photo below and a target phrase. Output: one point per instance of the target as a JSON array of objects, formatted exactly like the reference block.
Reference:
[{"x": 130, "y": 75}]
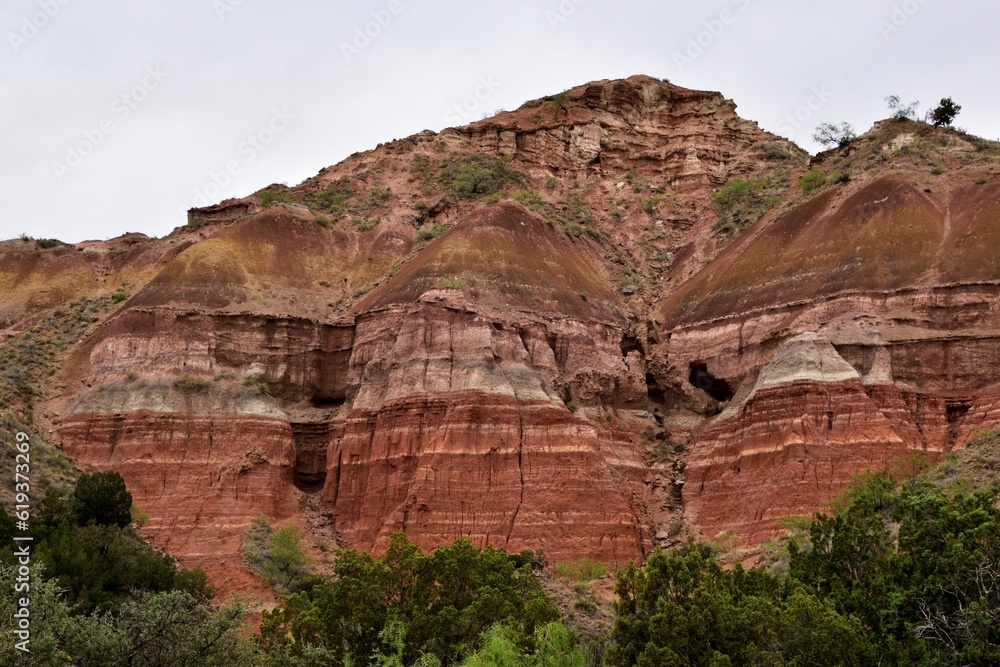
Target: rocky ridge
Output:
[{"x": 592, "y": 367}]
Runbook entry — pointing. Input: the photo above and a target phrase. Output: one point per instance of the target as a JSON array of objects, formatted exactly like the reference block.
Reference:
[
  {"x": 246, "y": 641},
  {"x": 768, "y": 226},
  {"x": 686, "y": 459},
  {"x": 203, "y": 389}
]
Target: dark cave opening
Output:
[
  {"x": 630, "y": 344},
  {"x": 956, "y": 410},
  {"x": 321, "y": 401},
  {"x": 708, "y": 383},
  {"x": 654, "y": 391},
  {"x": 311, "y": 440}
]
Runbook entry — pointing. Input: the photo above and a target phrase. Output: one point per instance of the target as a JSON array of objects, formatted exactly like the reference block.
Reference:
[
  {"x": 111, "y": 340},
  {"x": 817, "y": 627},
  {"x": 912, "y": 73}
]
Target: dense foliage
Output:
[
  {"x": 439, "y": 604},
  {"x": 171, "y": 628},
  {"x": 901, "y": 574},
  {"x": 83, "y": 543},
  {"x": 103, "y": 500},
  {"x": 944, "y": 113}
]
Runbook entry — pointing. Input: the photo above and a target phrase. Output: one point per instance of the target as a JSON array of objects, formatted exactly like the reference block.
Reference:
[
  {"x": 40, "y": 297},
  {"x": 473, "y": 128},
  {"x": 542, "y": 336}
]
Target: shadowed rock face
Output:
[{"x": 575, "y": 377}]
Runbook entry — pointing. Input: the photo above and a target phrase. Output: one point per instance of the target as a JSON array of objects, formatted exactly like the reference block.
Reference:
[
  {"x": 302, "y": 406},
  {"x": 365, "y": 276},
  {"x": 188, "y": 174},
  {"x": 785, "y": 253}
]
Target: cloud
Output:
[{"x": 231, "y": 65}]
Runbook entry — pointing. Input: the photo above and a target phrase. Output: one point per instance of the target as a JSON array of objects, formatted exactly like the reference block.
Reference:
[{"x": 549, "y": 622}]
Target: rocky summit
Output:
[{"x": 613, "y": 318}]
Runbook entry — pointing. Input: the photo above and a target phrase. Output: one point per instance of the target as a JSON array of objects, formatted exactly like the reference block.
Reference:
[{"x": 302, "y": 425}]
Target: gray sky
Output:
[{"x": 117, "y": 116}]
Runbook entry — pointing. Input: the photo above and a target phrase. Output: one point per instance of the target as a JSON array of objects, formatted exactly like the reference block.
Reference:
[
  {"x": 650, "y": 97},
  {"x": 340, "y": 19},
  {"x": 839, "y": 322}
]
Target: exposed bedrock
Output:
[
  {"x": 458, "y": 427},
  {"x": 834, "y": 369}
]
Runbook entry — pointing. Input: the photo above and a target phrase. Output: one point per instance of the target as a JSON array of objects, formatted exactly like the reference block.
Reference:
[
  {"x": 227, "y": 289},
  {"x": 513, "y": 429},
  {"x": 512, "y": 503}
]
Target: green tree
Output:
[
  {"x": 444, "y": 600},
  {"x": 101, "y": 565},
  {"x": 672, "y": 611},
  {"x": 683, "y": 608},
  {"x": 949, "y": 554},
  {"x": 554, "y": 647},
  {"x": 103, "y": 499},
  {"x": 945, "y": 112},
  {"x": 479, "y": 174},
  {"x": 149, "y": 630},
  {"x": 901, "y": 111},
  {"x": 287, "y": 565},
  {"x": 830, "y": 134}
]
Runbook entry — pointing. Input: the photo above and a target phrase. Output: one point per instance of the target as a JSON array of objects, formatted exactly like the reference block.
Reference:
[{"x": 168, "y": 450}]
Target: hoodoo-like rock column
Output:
[
  {"x": 457, "y": 430},
  {"x": 489, "y": 397}
]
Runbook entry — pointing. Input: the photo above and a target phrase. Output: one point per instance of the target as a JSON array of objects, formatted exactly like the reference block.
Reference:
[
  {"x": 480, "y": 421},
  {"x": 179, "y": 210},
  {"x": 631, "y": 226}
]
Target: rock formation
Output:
[{"x": 530, "y": 331}]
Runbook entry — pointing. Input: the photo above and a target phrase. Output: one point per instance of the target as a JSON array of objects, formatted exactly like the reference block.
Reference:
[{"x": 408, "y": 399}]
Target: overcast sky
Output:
[{"x": 119, "y": 115}]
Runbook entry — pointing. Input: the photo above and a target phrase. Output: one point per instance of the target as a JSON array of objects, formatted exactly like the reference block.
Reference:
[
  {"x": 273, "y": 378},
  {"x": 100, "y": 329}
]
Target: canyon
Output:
[{"x": 533, "y": 332}]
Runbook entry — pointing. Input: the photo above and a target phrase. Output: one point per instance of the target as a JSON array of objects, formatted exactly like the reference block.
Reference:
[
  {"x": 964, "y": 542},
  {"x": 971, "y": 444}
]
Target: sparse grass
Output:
[
  {"x": 26, "y": 361},
  {"x": 426, "y": 236},
  {"x": 651, "y": 205},
  {"x": 192, "y": 384},
  {"x": 582, "y": 571},
  {"x": 586, "y": 601},
  {"x": 270, "y": 197},
  {"x": 451, "y": 283},
  {"x": 741, "y": 203},
  {"x": 335, "y": 198},
  {"x": 379, "y": 197},
  {"x": 774, "y": 151},
  {"x": 638, "y": 182},
  {"x": 977, "y": 465},
  {"x": 258, "y": 386},
  {"x": 812, "y": 180},
  {"x": 573, "y": 406},
  {"x": 363, "y": 225}
]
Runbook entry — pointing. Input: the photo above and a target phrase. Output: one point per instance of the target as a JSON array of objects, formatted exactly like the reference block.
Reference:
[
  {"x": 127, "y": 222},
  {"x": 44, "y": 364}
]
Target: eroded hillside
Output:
[{"x": 600, "y": 322}]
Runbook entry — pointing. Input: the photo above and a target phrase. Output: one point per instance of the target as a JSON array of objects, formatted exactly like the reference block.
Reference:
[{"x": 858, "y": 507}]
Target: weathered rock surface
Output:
[
  {"x": 795, "y": 441},
  {"x": 457, "y": 423},
  {"x": 574, "y": 377},
  {"x": 202, "y": 465},
  {"x": 888, "y": 275}
]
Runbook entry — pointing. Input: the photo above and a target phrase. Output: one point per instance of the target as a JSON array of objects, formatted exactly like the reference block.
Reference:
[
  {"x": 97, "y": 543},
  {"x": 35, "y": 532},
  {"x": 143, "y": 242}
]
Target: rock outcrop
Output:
[
  {"x": 890, "y": 276},
  {"x": 463, "y": 367},
  {"x": 391, "y": 346},
  {"x": 805, "y": 428}
]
